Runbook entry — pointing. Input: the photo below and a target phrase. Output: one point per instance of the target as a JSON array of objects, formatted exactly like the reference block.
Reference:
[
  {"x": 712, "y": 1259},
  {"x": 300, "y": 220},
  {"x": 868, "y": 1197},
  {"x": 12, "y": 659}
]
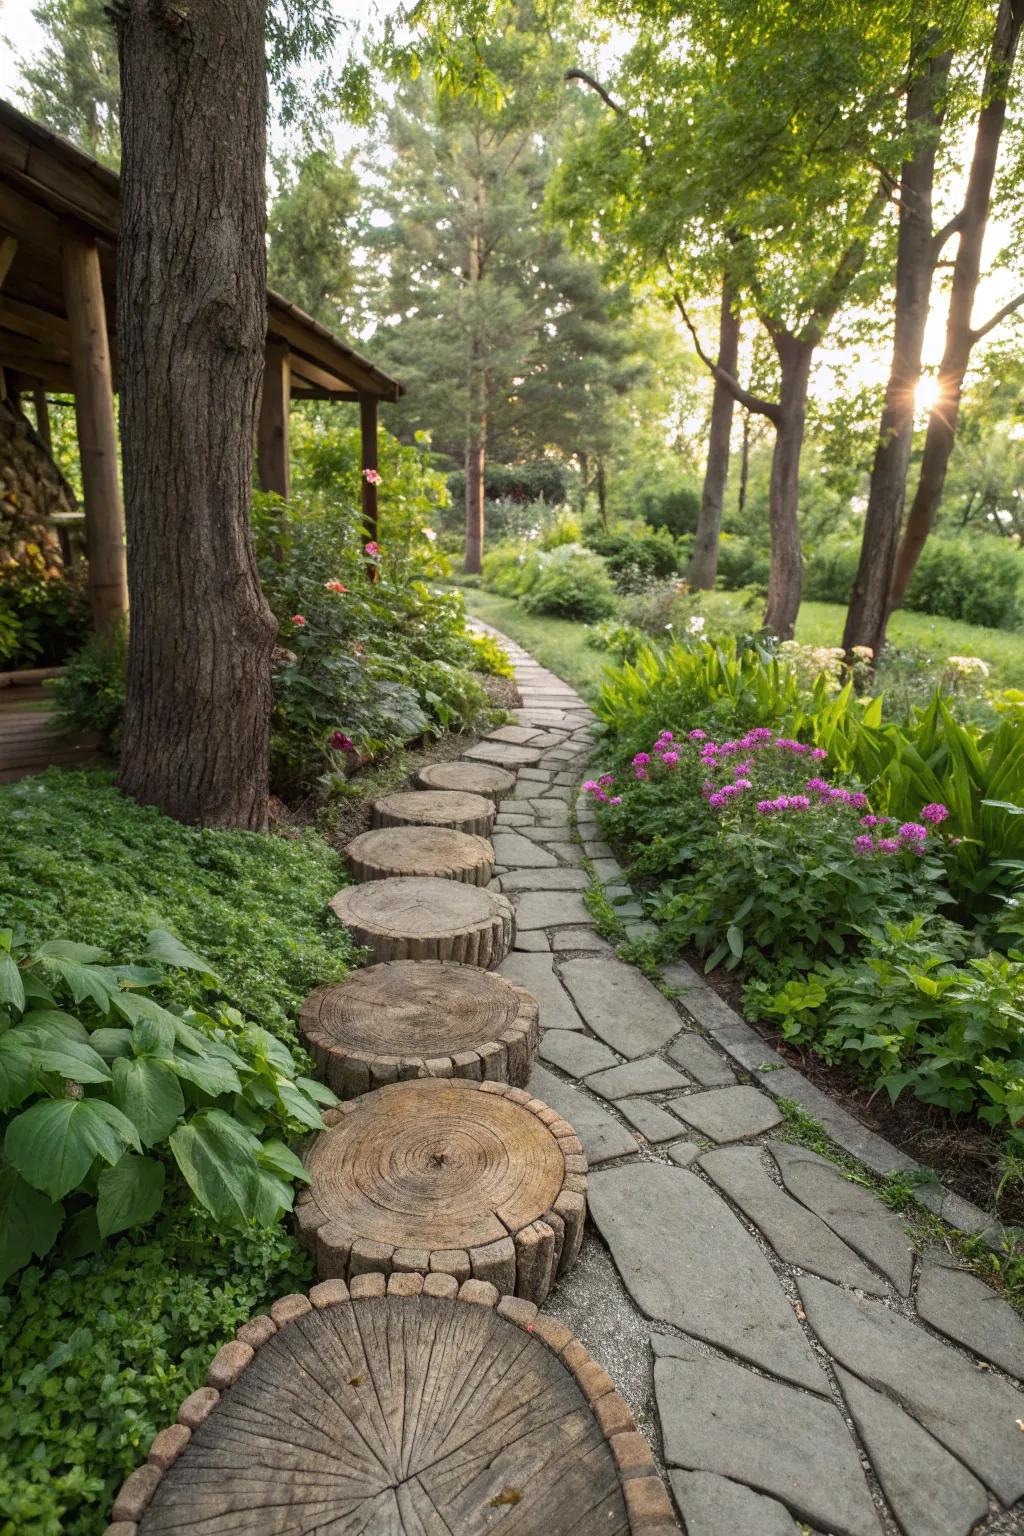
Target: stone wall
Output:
[{"x": 31, "y": 489}]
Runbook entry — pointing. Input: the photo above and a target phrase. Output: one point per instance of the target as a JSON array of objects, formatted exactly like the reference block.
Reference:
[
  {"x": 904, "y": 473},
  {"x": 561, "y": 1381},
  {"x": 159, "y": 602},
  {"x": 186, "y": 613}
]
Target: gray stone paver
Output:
[
  {"x": 746, "y": 1453},
  {"x": 853, "y": 1212},
  {"x": 964, "y": 1308},
  {"x": 717, "y": 1417},
  {"x": 574, "y": 1053},
  {"x": 728, "y": 1114},
  {"x": 716, "y": 1506},
  {"x": 686, "y": 1260},
  {"x": 620, "y": 1005},
  {"x": 647, "y": 1075}
]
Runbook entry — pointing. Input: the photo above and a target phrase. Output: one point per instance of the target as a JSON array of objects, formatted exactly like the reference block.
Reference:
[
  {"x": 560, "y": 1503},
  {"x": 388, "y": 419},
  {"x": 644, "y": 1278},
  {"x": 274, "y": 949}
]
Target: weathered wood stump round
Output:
[
  {"x": 419, "y": 918},
  {"x": 435, "y": 808},
  {"x": 475, "y": 1180},
  {"x": 389, "y": 852},
  {"x": 404, "y": 1407},
  {"x": 471, "y": 778},
  {"x": 420, "y": 1018}
]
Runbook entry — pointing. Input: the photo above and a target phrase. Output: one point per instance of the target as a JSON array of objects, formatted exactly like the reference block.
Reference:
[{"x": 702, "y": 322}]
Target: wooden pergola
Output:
[{"x": 59, "y": 219}]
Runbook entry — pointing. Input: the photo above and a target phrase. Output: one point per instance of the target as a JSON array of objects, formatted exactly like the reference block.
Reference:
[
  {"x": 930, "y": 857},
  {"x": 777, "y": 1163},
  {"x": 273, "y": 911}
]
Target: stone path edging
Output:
[{"x": 796, "y": 1375}]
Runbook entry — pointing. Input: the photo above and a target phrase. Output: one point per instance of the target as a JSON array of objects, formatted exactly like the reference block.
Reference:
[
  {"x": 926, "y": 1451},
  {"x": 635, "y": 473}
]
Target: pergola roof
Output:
[{"x": 47, "y": 184}]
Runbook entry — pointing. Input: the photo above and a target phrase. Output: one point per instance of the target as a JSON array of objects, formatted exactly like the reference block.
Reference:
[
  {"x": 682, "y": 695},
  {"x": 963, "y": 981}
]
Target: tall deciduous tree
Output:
[
  {"x": 313, "y": 224},
  {"x": 703, "y": 567},
  {"x": 191, "y": 326},
  {"x": 72, "y": 85}
]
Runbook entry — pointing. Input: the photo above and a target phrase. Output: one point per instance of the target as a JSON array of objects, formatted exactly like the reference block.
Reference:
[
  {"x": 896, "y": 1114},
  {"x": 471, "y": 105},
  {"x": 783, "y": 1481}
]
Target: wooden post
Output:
[
  {"x": 42, "y": 416},
  {"x": 368, "y": 427},
  {"x": 272, "y": 459},
  {"x": 97, "y": 436}
]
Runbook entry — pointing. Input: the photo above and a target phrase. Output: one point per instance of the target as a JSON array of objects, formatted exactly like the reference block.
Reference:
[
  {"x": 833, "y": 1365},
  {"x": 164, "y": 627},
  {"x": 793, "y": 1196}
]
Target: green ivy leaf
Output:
[
  {"x": 217, "y": 1159},
  {"x": 149, "y": 1093},
  {"x": 130, "y": 1193},
  {"x": 54, "y": 1144},
  {"x": 29, "y": 1223}
]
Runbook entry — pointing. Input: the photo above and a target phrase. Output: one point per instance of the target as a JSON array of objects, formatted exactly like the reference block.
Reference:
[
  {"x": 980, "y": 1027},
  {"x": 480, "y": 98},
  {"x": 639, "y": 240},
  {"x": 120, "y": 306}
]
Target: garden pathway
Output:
[{"x": 812, "y": 1366}]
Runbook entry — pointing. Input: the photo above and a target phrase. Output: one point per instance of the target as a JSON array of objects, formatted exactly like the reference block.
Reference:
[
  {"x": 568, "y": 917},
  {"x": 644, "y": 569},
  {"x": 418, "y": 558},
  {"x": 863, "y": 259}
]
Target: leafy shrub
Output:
[
  {"x": 572, "y": 584},
  {"x": 81, "y": 859},
  {"x": 830, "y": 568},
  {"x": 112, "y": 1108},
  {"x": 97, "y": 1354},
  {"x": 89, "y": 694},
  {"x": 622, "y": 641},
  {"x": 907, "y": 1014},
  {"x": 511, "y": 568},
  {"x": 977, "y": 580},
  {"x": 741, "y": 563},
  {"x": 44, "y": 614},
  {"x": 545, "y": 482},
  {"x": 633, "y": 561},
  {"x": 674, "y": 509}
]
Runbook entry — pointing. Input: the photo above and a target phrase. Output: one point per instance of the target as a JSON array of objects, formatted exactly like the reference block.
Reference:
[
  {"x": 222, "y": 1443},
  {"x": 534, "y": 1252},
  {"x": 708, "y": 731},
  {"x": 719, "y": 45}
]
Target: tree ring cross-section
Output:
[
  {"x": 392, "y": 852},
  {"x": 435, "y": 808},
  {"x": 423, "y": 918},
  {"x": 476, "y": 1180},
  {"x": 420, "y": 1018}
]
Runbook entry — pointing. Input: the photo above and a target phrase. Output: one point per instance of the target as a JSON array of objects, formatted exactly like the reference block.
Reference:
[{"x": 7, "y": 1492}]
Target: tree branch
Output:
[
  {"x": 952, "y": 227},
  {"x": 1000, "y": 314},
  {"x": 742, "y": 396},
  {"x": 831, "y": 295},
  {"x": 595, "y": 85}
]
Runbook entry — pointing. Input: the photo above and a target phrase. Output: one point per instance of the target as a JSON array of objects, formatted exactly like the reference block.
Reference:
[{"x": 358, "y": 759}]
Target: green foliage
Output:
[
  {"x": 111, "y": 1103},
  {"x": 672, "y": 508},
  {"x": 741, "y": 563},
  {"x": 44, "y": 615},
  {"x": 97, "y": 1353},
  {"x": 907, "y": 1013},
  {"x": 572, "y": 583},
  {"x": 511, "y": 568},
  {"x": 829, "y": 570},
  {"x": 312, "y": 228},
  {"x": 522, "y": 483},
  {"x": 81, "y": 859},
  {"x": 634, "y": 561},
  {"x": 89, "y": 694},
  {"x": 73, "y": 84},
  {"x": 977, "y": 580}
]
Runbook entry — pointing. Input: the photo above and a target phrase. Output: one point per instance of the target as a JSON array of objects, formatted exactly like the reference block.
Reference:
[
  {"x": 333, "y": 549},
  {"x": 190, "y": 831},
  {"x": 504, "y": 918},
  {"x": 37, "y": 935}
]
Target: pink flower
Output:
[
  {"x": 666, "y": 736},
  {"x": 298, "y": 621},
  {"x": 799, "y": 803},
  {"x": 858, "y": 801},
  {"x": 869, "y": 821},
  {"x": 819, "y": 786},
  {"x": 671, "y": 758},
  {"x": 728, "y": 747},
  {"x": 615, "y": 800},
  {"x": 641, "y": 771},
  {"x": 641, "y": 760},
  {"x": 606, "y": 779},
  {"x": 698, "y": 735},
  {"x": 743, "y": 784},
  {"x": 819, "y": 754},
  {"x": 717, "y": 799},
  {"x": 335, "y": 586},
  {"x": 888, "y": 845},
  {"x": 589, "y": 786},
  {"x": 371, "y": 477},
  {"x": 913, "y": 832},
  {"x": 934, "y": 813},
  {"x": 372, "y": 549},
  {"x": 339, "y": 742},
  {"x": 766, "y": 807},
  {"x": 864, "y": 843},
  {"x": 745, "y": 766}
]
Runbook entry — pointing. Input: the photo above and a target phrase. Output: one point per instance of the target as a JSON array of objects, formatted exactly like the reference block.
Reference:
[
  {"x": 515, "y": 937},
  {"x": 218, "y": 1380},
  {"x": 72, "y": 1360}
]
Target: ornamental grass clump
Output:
[{"x": 767, "y": 861}]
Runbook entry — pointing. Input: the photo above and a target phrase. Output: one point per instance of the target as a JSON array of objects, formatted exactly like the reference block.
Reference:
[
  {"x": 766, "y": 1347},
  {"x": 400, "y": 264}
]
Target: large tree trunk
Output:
[
  {"x": 915, "y": 267},
  {"x": 785, "y": 578},
  {"x": 476, "y": 435},
  {"x": 703, "y": 565},
  {"x": 741, "y": 500},
  {"x": 475, "y": 463},
  {"x": 960, "y": 336},
  {"x": 191, "y": 299}
]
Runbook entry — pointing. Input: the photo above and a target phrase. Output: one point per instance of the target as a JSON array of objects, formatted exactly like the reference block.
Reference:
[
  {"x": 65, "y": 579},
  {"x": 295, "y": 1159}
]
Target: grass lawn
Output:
[
  {"x": 560, "y": 643},
  {"x": 555, "y": 643}
]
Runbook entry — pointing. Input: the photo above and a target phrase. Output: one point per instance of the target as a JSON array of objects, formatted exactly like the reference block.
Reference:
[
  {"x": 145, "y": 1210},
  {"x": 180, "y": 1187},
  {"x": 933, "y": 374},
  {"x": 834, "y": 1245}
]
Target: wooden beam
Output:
[
  {"x": 325, "y": 351},
  {"x": 40, "y": 324},
  {"x": 97, "y": 436},
  {"x": 8, "y": 251},
  {"x": 26, "y": 220},
  {"x": 43, "y": 417},
  {"x": 368, "y": 434},
  {"x": 36, "y": 362},
  {"x": 272, "y": 439},
  {"x": 311, "y": 373}
]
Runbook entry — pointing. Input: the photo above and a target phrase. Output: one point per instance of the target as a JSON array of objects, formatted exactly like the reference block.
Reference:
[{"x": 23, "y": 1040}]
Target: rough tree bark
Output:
[
  {"x": 960, "y": 333},
  {"x": 476, "y": 436},
  {"x": 191, "y": 322},
  {"x": 785, "y": 577},
  {"x": 703, "y": 566},
  {"x": 918, "y": 250}
]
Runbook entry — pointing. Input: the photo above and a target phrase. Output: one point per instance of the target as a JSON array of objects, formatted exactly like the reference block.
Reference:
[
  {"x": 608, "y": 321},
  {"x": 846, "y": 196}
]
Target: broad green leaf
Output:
[
  {"x": 130, "y": 1193},
  {"x": 64, "y": 949},
  {"x": 111, "y": 1043},
  {"x": 318, "y": 1091},
  {"x": 54, "y": 1020},
  {"x": 734, "y": 939},
  {"x": 75, "y": 1059},
  {"x": 169, "y": 950},
  {"x": 275, "y": 1156},
  {"x": 274, "y": 1051},
  {"x": 217, "y": 1159},
  {"x": 274, "y": 1197},
  {"x": 211, "y": 1074},
  {"x": 12, "y": 988},
  {"x": 297, "y": 1106},
  {"x": 150, "y": 1095},
  {"x": 17, "y": 1070},
  {"x": 84, "y": 981},
  {"x": 53, "y": 1144},
  {"x": 153, "y": 1037},
  {"x": 29, "y": 1223}
]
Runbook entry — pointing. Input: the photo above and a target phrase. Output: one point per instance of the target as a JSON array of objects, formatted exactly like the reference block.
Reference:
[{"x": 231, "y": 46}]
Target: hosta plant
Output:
[{"x": 112, "y": 1104}]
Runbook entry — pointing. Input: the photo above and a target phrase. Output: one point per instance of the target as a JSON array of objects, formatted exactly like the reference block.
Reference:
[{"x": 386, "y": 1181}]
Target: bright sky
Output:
[{"x": 21, "y": 36}]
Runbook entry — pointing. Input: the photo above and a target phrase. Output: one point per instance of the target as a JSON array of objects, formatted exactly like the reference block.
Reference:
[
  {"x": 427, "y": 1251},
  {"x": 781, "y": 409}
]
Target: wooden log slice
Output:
[
  {"x": 420, "y": 1018},
  {"x": 402, "y": 1408},
  {"x": 471, "y": 778},
  {"x": 390, "y": 852},
  {"x": 421, "y": 918},
  {"x": 505, "y": 754},
  {"x": 435, "y": 808},
  {"x": 465, "y": 1178}
]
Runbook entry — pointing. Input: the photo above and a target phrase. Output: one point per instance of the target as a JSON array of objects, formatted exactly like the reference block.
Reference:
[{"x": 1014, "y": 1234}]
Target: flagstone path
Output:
[{"x": 794, "y": 1362}]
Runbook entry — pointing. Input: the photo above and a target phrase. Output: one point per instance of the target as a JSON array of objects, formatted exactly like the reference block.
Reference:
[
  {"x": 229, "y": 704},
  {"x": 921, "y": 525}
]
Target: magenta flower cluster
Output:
[{"x": 599, "y": 789}]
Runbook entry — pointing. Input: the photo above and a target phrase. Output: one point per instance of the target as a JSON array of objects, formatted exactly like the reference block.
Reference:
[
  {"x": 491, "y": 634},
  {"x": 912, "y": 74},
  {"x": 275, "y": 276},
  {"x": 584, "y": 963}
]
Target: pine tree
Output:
[{"x": 73, "y": 85}]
